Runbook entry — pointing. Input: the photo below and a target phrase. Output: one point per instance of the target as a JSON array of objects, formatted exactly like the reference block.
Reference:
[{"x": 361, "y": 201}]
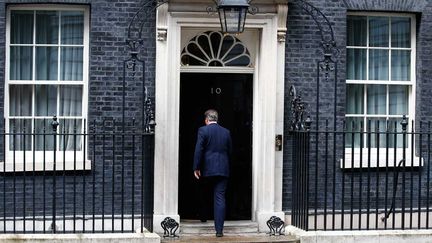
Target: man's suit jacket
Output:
[{"x": 213, "y": 150}]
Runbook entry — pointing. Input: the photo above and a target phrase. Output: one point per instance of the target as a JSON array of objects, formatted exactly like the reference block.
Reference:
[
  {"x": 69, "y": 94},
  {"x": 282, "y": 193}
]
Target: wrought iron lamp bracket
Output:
[
  {"x": 135, "y": 41},
  {"x": 135, "y": 29},
  {"x": 328, "y": 64},
  {"x": 328, "y": 43},
  {"x": 136, "y": 25}
]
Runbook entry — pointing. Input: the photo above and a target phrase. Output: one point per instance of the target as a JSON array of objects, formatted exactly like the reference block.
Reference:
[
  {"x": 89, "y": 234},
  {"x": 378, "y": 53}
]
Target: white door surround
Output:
[{"x": 268, "y": 107}]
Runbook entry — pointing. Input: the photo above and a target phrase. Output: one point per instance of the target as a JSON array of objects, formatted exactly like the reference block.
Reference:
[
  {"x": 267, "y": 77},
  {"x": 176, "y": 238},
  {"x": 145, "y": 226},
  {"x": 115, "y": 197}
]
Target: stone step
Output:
[
  {"x": 230, "y": 227},
  {"x": 247, "y": 238}
]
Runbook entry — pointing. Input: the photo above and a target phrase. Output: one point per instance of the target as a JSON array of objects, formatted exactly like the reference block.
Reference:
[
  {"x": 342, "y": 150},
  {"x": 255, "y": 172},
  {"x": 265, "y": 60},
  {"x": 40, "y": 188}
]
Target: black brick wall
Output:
[
  {"x": 302, "y": 53},
  {"x": 107, "y": 51}
]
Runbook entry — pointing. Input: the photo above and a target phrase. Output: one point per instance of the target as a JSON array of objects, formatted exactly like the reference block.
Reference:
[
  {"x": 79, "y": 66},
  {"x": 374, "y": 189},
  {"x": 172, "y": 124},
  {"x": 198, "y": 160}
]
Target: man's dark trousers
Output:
[{"x": 218, "y": 184}]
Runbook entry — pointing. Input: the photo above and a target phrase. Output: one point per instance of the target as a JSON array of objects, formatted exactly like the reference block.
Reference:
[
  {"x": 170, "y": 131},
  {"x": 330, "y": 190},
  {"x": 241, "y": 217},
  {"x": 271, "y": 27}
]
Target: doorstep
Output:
[
  {"x": 194, "y": 231},
  {"x": 232, "y": 238},
  {"x": 239, "y": 227}
]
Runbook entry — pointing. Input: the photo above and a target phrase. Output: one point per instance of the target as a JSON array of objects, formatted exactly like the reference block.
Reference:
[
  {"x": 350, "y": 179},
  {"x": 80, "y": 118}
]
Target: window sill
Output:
[
  {"x": 381, "y": 160},
  {"x": 47, "y": 166}
]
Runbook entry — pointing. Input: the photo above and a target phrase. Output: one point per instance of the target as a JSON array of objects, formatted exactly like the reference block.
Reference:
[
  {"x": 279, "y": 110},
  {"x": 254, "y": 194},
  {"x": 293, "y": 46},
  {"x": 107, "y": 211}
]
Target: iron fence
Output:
[
  {"x": 75, "y": 178},
  {"x": 363, "y": 176}
]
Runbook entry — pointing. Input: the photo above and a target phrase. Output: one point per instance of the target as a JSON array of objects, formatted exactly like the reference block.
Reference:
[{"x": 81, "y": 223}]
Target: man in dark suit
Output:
[{"x": 211, "y": 163}]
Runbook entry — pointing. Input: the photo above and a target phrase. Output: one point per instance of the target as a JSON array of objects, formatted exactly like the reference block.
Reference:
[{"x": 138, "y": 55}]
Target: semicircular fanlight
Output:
[{"x": 214, "y": 49}]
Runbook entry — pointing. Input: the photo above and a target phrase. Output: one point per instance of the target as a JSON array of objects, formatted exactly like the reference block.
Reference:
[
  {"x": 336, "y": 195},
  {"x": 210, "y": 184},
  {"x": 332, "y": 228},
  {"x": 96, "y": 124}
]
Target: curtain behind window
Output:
[{"x": 42, "y": 101}]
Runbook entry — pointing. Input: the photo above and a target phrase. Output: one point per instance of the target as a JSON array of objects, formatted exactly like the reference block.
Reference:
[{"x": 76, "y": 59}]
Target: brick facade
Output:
[
  {"x": 301, "y": 57},
  {"x": 108, "y": 50}
]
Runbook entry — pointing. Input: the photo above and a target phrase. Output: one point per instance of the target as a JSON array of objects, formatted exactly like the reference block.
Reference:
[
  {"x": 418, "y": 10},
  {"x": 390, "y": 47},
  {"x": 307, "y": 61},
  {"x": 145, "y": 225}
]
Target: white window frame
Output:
[
  {"x": 39, "y": 160},
  {"x": 378, "y": 157}
]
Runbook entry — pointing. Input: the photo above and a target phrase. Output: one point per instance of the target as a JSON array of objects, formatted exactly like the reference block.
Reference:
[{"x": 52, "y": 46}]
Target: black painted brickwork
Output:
[
  {"x": 108, "y": 24},
  {"x": 302, "y": 53}
]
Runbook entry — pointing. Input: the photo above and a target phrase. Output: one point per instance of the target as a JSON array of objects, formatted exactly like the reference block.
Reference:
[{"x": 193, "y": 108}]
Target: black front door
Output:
[{"x": 231, "y": 96}]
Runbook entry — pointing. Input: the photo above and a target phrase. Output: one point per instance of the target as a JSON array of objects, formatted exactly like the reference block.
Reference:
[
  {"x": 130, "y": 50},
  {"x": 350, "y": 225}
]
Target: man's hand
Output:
[{"x": 197, "y": 174}]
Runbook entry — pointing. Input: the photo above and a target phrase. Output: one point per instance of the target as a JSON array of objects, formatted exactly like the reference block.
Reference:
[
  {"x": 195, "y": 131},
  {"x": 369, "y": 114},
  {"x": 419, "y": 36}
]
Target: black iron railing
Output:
[
  {"x": 81, "y": 178},
  {"x": 363, "y": 176}
]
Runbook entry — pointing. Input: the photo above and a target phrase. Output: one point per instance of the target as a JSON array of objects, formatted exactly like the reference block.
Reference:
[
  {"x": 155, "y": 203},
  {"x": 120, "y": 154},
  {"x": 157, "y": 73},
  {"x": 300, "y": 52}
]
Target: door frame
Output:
[{"x": 268, "y": 110}]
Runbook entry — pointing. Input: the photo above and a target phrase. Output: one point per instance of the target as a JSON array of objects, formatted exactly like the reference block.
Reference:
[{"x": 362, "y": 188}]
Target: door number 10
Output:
[{"x": 215, "y": 91}]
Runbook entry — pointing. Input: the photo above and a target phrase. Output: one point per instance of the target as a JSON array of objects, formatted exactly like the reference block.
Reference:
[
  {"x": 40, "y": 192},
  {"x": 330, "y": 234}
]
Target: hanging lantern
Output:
[{"x": 232, "y": 15}]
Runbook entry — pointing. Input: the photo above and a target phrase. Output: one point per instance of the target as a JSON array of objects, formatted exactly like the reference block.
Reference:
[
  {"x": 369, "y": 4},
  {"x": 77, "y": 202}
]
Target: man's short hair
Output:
[{"x": 211, "y": 115}]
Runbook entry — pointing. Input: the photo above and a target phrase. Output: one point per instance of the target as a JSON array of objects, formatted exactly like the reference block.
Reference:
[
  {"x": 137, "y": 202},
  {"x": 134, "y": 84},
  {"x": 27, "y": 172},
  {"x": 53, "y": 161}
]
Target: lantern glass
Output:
[{"x": 232, "y": 18}]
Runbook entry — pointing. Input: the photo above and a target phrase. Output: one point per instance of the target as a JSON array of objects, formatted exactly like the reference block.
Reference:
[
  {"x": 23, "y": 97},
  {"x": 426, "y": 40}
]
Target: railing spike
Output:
[
  {"x": 54, "y": 124},
  {"x": 404, "y": 123}
]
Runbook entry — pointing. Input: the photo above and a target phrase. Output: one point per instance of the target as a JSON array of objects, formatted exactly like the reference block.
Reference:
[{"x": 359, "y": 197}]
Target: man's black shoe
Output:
[{"x": 219, "y": 234}]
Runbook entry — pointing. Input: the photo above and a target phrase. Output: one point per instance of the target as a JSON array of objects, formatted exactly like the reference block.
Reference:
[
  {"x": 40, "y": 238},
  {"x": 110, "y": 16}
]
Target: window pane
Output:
[
  {"x": 401, "y": 32},
  {"x": 236, "y": 51},
  {"x": 72, "y": 27},
  {"x": 17, "y": 142},
  {"x": 71, "y": 63},
  {"x": 401, "y": 65},
  {"x": 354, "y": 99},
  {"x": 21, "y": 27},
  {"x": 356, "y": 64},
  {"x": 396, "y": 140},
  {"x": 239, "y": 61},
  {"x": 70, "y": 100},
  {"x": 187, "y": 60},
  {"x": 379, "y": 31},
  {"x": 21, "y": 62},
  {"x": 20, "y": 100},
  {"x": 353, "y": 127},
  {"x": 376, "y": 99},
  {"x": 357, "y": 29},
  {"x": 215, "y": 38},
  {"x": 378, "y": 65},
  {"x": 227, "y": 42},
  {"x": 70, "y": 138},
  {"x": 398, "y": 96},
  {"x": 203, "y": 42},
  {"x": 45, "y": 139},
  {"x": 47, "y": 27},
  {"x": 46, "y": 100},
  {"x": 46, "y": 63},
  {"x": 378, "y": 128}
]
